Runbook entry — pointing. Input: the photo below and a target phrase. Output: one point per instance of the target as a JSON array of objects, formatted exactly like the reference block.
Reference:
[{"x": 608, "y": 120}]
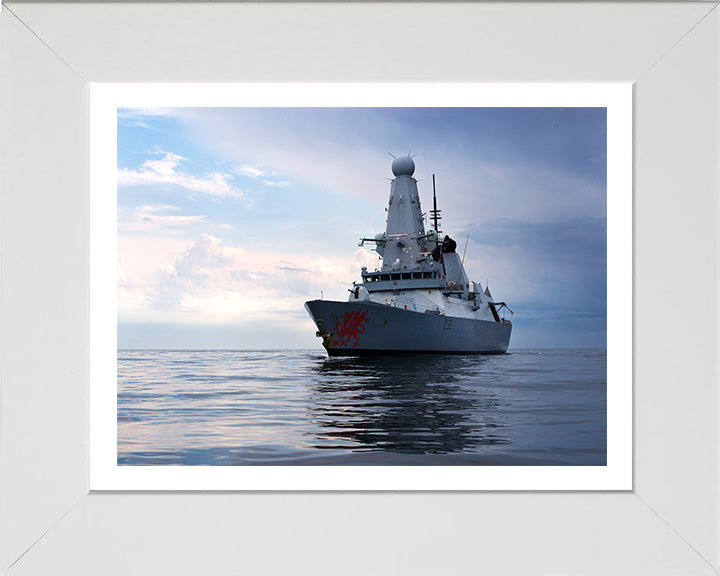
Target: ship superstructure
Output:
[{"x": 420, "y": 299}]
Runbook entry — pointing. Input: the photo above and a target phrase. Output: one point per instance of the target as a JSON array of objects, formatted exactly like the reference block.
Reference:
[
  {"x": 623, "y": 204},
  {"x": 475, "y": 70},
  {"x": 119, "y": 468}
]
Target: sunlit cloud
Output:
[
  {"x": 166, "y": 171},
  {"x": 157, "y": 218},
  {"x": 133, "y": 112},
  {"x": 281, "y": 184},
  {"x": 260, "y": 175},
  {"x": 252, "y": 171},
  {"x": 143, "y": 117},
  {"x": 210, "y": 281}
]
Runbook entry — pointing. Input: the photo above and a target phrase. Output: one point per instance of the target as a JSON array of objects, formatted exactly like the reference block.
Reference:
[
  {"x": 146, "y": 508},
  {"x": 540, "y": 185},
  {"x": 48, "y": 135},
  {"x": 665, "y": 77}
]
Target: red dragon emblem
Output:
[{"x": 349, "y": 328}]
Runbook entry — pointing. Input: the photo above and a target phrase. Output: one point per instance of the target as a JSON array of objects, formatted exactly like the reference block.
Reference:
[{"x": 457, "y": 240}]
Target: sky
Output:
[{"x": 230, "y": 219}]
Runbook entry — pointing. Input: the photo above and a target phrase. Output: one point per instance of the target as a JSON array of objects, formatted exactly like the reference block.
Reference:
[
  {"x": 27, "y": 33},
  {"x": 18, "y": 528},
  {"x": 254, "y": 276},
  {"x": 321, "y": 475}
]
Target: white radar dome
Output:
[{"x": 403, "y": 166}]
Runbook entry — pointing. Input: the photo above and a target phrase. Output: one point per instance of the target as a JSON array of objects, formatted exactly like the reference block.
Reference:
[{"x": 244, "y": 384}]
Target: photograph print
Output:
[{"x": 362, "y": 286}]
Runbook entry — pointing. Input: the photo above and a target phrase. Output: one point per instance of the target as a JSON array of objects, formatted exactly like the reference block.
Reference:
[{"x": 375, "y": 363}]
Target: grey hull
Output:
[{"x": 355, "y": 329}]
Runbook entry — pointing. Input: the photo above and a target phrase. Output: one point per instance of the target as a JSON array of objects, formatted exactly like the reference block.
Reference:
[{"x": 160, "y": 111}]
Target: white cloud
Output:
[
  {"x": 165, "y": 171},
  {"x": 365, "y": 258},
  {"x": 142, "y": 117},
  {"x": 131, "y": 112},
  {"x": 260, "y": 174},
  {"x": 209, "y": 281},
  {"x": 158, "y": 208},
  {"x": 282, "y": 184},
  {"x": 154, "y": 218},
  {"x": 252, "y": 171}
]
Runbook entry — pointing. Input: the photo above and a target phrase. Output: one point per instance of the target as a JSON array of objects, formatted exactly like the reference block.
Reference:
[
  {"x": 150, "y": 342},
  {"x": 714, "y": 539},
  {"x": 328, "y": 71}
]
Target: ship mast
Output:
[
  {"x": 435, "y": 212},
  {"x": 436, "y": 217}
]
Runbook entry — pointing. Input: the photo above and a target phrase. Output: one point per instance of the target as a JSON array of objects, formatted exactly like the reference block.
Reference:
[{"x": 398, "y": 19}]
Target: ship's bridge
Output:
[{"x": 380, "y": 280}]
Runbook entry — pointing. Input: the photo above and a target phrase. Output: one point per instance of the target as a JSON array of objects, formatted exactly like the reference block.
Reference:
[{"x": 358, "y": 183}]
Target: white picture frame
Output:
[{"x": 666, "y": 525}]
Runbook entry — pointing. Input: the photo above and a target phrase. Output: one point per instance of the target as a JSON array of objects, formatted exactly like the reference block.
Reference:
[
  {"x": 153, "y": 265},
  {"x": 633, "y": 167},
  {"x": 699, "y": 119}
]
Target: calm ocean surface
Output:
[{"x": 281, "y": 407}]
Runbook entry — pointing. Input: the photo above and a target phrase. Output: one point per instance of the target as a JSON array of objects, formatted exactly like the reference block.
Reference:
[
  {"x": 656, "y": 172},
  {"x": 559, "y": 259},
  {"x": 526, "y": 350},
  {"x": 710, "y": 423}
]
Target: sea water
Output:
[{"x": 299, "y": 407}]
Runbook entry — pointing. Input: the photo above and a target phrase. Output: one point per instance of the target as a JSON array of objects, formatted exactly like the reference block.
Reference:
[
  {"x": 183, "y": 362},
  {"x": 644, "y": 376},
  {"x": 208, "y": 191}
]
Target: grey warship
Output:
[{"x": 420, "y": 300}]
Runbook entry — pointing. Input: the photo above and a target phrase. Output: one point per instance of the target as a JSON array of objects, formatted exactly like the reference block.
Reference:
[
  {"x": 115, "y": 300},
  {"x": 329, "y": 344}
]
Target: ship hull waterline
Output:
[{"x": 367, "y": 328}]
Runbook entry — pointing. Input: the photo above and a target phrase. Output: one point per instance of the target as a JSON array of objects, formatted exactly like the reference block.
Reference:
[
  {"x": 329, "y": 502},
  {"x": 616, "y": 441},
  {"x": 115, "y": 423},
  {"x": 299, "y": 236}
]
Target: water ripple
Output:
[{"x": 225, "y": 407}]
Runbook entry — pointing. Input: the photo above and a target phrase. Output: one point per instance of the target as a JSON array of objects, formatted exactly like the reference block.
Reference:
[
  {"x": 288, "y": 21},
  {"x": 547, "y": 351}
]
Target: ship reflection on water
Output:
[
  {"x": 415, "y": 404},
  {"x": 300, "y": 408}
]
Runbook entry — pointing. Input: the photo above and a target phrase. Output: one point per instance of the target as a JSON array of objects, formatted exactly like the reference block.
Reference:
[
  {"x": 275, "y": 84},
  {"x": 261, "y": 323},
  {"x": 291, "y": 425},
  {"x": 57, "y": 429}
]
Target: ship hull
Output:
[{"x": 365, "y": 328}]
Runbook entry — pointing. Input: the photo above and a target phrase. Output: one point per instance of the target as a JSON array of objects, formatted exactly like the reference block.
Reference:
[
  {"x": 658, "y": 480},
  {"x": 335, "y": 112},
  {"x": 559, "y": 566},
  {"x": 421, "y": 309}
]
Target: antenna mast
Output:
[{"x": 435, "y": 212}]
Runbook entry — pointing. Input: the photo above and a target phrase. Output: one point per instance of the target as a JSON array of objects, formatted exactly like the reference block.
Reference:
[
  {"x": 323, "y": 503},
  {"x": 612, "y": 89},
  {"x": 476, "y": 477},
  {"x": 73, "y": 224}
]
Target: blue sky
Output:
[{"x": 229, "y": 219}]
